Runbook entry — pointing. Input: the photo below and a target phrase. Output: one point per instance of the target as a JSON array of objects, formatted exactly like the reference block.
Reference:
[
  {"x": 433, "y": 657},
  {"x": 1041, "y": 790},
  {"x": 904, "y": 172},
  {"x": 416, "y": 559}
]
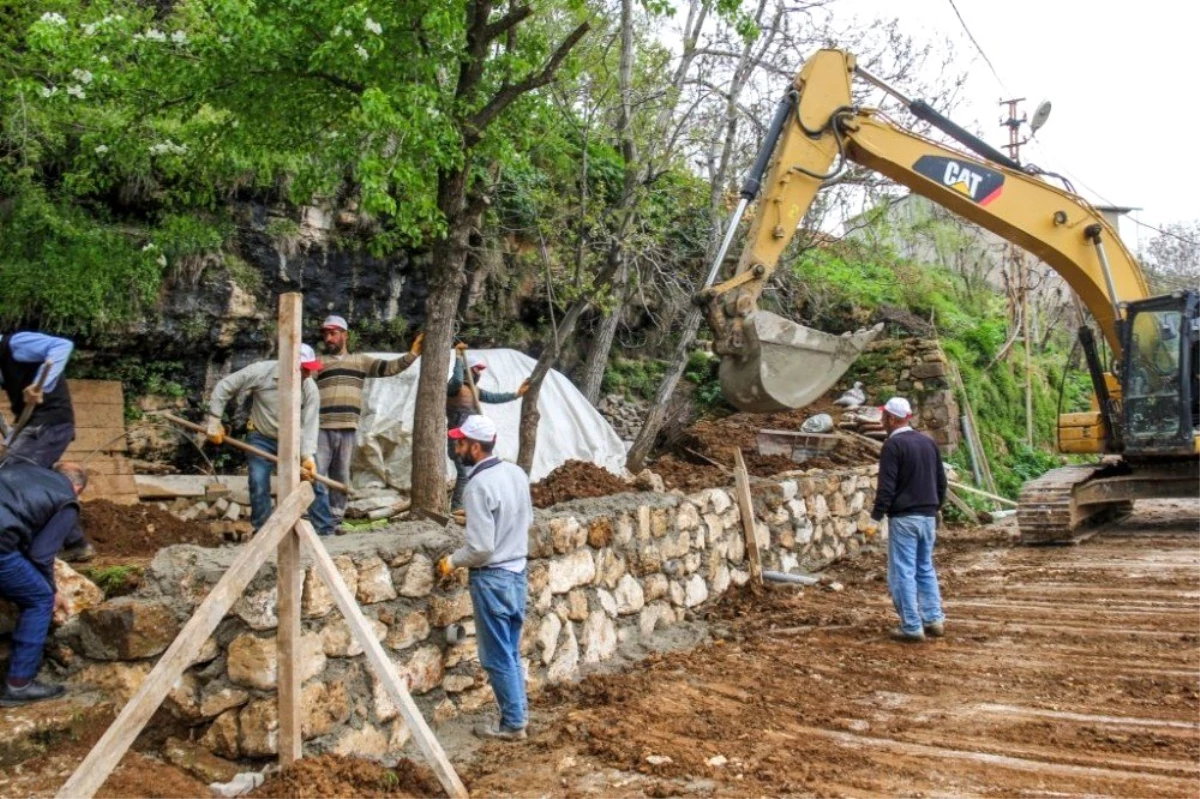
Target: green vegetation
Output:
[{"x": 114, "y": 580}]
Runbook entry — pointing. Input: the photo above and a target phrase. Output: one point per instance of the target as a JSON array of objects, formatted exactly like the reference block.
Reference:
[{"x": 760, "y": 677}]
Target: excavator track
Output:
[{"x": 1047, "y": 511}]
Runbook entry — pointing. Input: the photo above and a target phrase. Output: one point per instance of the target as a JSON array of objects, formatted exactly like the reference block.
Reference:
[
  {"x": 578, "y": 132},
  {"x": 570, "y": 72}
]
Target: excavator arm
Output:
[{"x": 815, "y": 128}]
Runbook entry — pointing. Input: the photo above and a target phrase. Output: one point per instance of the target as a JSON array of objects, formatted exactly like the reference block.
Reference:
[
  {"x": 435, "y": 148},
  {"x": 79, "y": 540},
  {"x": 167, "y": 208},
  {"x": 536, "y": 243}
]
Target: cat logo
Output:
[{"x": 976, "y": 183}]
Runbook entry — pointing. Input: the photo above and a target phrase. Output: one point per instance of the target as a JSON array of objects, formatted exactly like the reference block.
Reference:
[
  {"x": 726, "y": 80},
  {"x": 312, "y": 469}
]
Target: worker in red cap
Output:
[
  {"x": 499, "y": 515},
  {"x": 911, "y": 489},
  {"x": 462, "y": 402},
  {"x": 340, "y": 383},
  {"x": 261, "y": 381}
]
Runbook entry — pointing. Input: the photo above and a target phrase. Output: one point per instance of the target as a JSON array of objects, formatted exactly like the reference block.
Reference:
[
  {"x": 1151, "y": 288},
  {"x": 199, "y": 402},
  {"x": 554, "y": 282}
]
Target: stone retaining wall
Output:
[{"x": 602, "y": 574}]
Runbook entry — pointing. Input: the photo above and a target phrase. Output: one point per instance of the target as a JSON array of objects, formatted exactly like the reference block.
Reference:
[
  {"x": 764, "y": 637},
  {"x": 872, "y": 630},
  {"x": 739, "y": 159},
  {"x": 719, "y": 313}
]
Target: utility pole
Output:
[{"x": 1014, "y": 123}]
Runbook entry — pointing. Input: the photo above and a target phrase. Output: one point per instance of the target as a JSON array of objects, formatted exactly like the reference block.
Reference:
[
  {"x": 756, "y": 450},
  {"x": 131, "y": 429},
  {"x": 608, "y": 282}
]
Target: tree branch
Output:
[{"x": 510, "y": 20}]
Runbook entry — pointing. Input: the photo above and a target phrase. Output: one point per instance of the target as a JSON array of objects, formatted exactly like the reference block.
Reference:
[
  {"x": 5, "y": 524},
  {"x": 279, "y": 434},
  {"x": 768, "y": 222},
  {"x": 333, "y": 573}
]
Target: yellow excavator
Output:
[{"x": 1145, "y": 417}]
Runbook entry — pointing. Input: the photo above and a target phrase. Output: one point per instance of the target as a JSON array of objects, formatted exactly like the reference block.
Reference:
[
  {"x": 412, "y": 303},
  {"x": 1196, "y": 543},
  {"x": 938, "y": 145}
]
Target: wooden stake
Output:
[
  {"x": 1001, "y": 500},
  {"x": 963, "y": 507},
  {"x": 288, "y": 573},
  {"x": 383, "y": 666},
  {"x": 115, "y": 742},
  {"x": 746, "y": 503}
]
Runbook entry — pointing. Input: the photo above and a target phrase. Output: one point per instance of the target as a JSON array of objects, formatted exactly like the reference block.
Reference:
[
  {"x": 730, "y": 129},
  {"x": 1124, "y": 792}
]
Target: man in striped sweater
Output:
[{"x": 341, "y": 385}]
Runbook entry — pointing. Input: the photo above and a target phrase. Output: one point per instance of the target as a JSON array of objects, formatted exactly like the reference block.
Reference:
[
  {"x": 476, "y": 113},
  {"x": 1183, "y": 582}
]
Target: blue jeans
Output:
[
  {"x": 260, "y": 470},
  {"x": 498, "y": 598},
  {"x": 26, "y": 587},
  {"x": 912, "y": 579},
  {"x": 43, "y": 444}
]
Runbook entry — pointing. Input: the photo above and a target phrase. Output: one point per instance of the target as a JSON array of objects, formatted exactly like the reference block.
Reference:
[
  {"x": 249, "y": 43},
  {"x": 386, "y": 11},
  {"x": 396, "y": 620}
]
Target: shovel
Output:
[{"x": 10, "y": 434}]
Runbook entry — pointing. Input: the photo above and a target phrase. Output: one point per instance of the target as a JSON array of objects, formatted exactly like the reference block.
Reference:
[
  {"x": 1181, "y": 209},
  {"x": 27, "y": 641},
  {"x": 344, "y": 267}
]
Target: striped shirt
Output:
[{"x": 341, "y": 384}]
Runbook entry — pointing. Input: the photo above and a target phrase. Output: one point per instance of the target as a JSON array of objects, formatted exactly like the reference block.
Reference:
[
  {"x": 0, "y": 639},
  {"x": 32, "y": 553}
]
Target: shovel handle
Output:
[
  {"x": 10, "y": 435},
  {"x": 251, "y": 449}
]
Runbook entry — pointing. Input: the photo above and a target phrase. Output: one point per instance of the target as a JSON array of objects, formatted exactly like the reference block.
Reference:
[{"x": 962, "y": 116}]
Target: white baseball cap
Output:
[
  {"x": 476, "y": 428},
  {"x": 898, "y": 407},
  {"x": 475, "y": 362},
  {"x": 335, "y": 322},
  {"x": 308, "y": 358}
]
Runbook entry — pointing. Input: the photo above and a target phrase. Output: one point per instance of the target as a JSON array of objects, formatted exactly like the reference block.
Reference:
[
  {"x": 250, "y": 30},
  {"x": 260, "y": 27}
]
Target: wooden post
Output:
[
  {"x": 289, "y": 574},
  {"x": 993, "y": 497},
  {"x": 382, "y": 665},
  {"x": 741, "y": 481},
  {"x": 115, "y": 742}
]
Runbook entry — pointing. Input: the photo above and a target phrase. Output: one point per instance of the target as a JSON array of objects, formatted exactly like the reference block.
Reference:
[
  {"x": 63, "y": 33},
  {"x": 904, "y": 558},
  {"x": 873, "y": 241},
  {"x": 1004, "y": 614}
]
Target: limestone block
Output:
[
  {"x": 465, "y": 652},
  {"x": 539, "y": 541},
  {"x": 253, "y": 661},
  {"x": 258, "y": 728},
  {"x": 739, "y": 577},
  {"x": 577, "y": 605},
  {"x": 457, "y": 683},
  {"x": 695, "y": 592},
  {"x": 418, "y": 578},
  {"x": 565, "y": 665},
  {"x": 222, "y": 735},
  {"x": 687, "y": 517},
  {"x": 599, "y": 638},
  {"x": 608, "y": 602},
  {"x": 720, "y": 499},
  {"x": 803, "y": 530},
  {"x": 571, "y": 571},
  {"x": 324, "y": 705},
  {"x": 445, "y": 610},
  {"x": 720, "y": 583},
  {"x": 316, "y": 600},
  {"x": 699, "y": 539},
  {"x": 374, "y": 582},
  {"x": 820, "y": 508},
  {"x": 202, "y": 764},
  {"x": 787, "y": 538},
  {"x": 691, "y": 562},
  {"x": 779, "y": 517},
  {"x": 542, "y": 603},
  {"x": 117, "y": 680},
  {"x": 258, "y": 609},
  {"x": 470, "y": 701},
  {"x": 736, "y": 548},
  {"x": 857, "y": 501},
  {"x": 660, "y": 522},
  {"x": 424, "y": 669},
  {"x": 600, "y": 532},
  {"x": 629, "y": 595},
  {"x": 798, "y": 508},
  {"x": 547, "y": 635},
  {"x": 216, "y": 700},
  {"x": 654, "y": 586},
  {"x": 654, "y": 616},
  {"x": 788, "y": 562},
  {"x": 368, "y": 742},
  {"x": 338, "y": 642},
  {"x": 566, "y": 535},
  {"x": 402, "y": 558},
  {"x": 126, "y": 628},
  {"x": 788, "y": 490},
  {"x": 675, "y": 545},
  {"x": 677, "y": 592},
  {"x": 837, "y": 505},
  {"x": 412, "y": 629},
  {"x": 643, "y": 523},
  {"x": 78, "y": 592},
  {"x": 624, "y": 530},
  {"x": 445, "y": 711},
  {"x": 183, "y": 700},
  {"x": 610, "y": 568}
]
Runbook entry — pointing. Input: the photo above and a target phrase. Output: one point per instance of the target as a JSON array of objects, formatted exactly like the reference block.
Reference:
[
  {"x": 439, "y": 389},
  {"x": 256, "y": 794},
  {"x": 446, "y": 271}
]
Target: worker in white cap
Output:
[
  {"x": 462, "y": 402},
  {"x": 261, "y": 381},
  {"x": 340, "y": 383},
  {"x": 499, "y": 515},
  {"x": 911, "y": 489}
]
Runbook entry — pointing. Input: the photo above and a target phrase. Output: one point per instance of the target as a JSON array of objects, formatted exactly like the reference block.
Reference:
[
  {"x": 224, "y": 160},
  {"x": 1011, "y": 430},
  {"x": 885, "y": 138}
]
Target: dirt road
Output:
[{"x": 1066, "y": 672}]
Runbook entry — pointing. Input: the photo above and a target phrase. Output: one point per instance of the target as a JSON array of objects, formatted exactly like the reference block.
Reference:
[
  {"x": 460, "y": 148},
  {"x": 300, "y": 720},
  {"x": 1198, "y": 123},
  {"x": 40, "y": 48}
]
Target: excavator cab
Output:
[{"x": 1160, "y": 409}]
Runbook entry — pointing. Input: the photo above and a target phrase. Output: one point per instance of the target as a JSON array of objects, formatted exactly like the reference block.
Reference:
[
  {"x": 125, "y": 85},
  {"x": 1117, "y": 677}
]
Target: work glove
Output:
[
  {"x": 523, "y": 388},
  {"x": 33, "y": 395},
  {"x": 415, "y": 349},
  {"x": 308, "y": 469},
  {"x": 216, "y": 431},
  {"x": 871, "y": 530},
  {"x": 444, "y": 567},
  {"x": 461, "y": 347}
]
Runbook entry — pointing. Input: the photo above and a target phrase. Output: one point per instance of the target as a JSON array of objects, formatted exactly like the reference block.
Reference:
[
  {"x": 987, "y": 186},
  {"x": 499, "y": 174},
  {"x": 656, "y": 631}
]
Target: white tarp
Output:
[{"x": 570, "y": 428}]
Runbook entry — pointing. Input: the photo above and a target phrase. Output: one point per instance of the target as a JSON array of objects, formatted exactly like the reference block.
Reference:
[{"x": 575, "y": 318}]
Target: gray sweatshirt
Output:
[
  {"x": 499, "y": 515},
  {"x": 262, "y": 381}
]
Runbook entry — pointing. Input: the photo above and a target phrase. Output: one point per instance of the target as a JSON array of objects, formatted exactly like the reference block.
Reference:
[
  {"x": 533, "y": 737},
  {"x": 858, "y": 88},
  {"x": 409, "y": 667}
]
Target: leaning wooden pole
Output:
[
  {"x": 182, "y": 652},
  {"x": 288, "y": 572}
]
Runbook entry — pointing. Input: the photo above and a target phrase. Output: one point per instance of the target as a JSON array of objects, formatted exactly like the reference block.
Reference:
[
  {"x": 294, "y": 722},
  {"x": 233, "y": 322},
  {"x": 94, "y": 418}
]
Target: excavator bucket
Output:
[{"x": 785, "y": 365}]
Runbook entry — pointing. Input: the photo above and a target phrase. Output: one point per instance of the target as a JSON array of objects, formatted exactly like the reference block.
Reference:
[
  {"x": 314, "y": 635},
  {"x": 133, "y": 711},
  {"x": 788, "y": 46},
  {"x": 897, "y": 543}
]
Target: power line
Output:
[{"x": 971, "y": 36}]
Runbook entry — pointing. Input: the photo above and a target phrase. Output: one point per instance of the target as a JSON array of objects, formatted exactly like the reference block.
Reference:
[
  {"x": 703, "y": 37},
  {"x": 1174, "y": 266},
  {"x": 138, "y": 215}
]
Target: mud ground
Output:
[
  {"x": 1066, "y": 671},
  {"x": 125, "y": 532},
  {"x": 576, "y": 480}
]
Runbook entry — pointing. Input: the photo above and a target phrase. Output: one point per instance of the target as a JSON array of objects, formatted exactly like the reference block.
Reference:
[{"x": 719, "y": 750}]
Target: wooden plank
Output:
[
  {"x": 289, "y": 573},
  {"x": 103, "y": 486},
  {"x": 746, "y": 503},
  {"x": 100, "y": 392},
  {"x": 89, "y": 416},
  {"x": 383, "y": 666},
  {"x": 115, "y": 742},
  {"x": 993, "y": 497},
  {"x": 963, "y": 507}
]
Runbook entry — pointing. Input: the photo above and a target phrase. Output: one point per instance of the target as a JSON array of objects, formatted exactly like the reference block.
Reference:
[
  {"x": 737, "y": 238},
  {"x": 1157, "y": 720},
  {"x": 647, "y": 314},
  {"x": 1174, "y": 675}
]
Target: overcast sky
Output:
[{"x": 1121, "y": 77}]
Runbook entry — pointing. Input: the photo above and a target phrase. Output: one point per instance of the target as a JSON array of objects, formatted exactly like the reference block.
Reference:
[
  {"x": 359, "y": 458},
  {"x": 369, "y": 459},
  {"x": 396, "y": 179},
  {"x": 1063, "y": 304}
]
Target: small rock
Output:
[
  {"x": 658, "y": 760},
  {"x": 717, "y": 761}
]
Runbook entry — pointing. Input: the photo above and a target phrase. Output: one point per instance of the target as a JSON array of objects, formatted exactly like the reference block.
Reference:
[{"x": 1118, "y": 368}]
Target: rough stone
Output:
[
  {"x": 695, "y": 592},
  {"x": 720, "y": 583},
  {"x": 418, "y": 578},
  {"x": 76, "y": 591},
  {"x": 183, "y": 700},
  {"x": 547, "y": 637},
  {"x": 253, "y": 662},
  {"x": 924, "y": 371},
  {"x": 624, "y": 532},
  {"x": 857, "y": 501},
  {"x": 659, "y": 522},
  {"x": 324, "y": 706},
  {"x": 118, "y": 680},
  {"x": 653, "y": 616},
  {"x": 643, "y": 524},
  {"x": 739, "y": 577},
  {"x": 654, "y": 587},
  {"x": 803, "y": 530},
  {"x": 577, "y": 605},
  {"x": 629, "y": 595},
  {"x": 720, "y": 500},
  {"x": 368, "y": 742},
  {"x": 258, "y": 728},
  {"x": 258, "y": 609},
  {"x": 691, "y": 562},
  {"x": 566, "y": 660},
  {"x": 338, "y": 642},
  {"x": 424, "y": 670},
  {"x": 600, "y": 532},
  {"x": 539, "y": 577},
  {"x": 445, "y": 610},
  {"x": 465, "y": 652},
  {"x": 610, "y": 568},
  {"x": 820, "y": 508},
  {"x": 788, "y": 489},
  {"x": 375, "y": 582},
  {"x": 457, "y": 683},
  {"x": 676, "y": 592},
  {"x": 607, "y": 602},
  {"x": 571, "y": 571},
  {"x": 675, "y": 545},
  {"x": 222, "y": 735},
  {"x": 470, "y": 701},
  {"x": 599, "y": 638},
  {"x": 199, "y": 762},
  {"x": 412, "y": 629},
  {"x": 687, "y": 517},
  {"x": 127, "y": 629},
  {"x": 214, "y": 701},
  {"x": 647, "y": 559},
  {"x": 566, "y": 535}
]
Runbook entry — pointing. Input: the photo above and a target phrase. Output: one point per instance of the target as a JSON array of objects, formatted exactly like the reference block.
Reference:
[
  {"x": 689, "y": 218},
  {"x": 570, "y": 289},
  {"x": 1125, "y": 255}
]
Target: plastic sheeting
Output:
[{"x": 569, "y": 429}]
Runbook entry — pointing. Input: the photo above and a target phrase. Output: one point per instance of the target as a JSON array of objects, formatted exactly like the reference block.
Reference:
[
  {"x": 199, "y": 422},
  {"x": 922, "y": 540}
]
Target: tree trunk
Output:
[{"x": 593, "y": 378}]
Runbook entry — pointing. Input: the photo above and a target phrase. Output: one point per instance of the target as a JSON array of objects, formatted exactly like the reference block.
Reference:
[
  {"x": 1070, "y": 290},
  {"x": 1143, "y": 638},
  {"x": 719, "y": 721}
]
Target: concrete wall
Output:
[{"x": 602, "y": 574}]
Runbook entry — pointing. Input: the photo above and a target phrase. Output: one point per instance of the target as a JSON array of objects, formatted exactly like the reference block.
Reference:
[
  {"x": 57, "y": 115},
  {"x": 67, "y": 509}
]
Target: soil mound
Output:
[
  {"x": 337, "y": 776},
  {"x": 139, "y": 530},
  {"x": 576, "y": 480}
]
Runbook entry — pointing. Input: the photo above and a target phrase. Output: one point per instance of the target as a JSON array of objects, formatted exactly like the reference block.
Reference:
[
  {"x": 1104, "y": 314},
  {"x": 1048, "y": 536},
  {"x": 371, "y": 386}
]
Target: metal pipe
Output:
[
  {"x": 784, "y": 577},
  {"x": 1093, "y": 233},
  {"x": 734, "y": 220}
]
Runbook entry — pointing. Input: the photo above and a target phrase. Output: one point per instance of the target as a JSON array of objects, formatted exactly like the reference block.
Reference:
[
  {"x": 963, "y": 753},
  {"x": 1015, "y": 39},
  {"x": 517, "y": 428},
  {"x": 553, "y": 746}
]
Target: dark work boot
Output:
[
  {"x": 33, "y": 691},
  {"x": 78, "y": 553}
]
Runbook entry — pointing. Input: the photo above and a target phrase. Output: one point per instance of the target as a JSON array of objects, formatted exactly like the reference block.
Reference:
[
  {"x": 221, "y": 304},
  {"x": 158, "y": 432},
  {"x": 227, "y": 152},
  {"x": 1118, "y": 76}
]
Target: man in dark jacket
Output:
[
  {"x": 911, "y": 489},
  {"x": 51, "y": 427},
  {"x": 461, "y": 402},
  {"x": 39, "y": 509}
]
